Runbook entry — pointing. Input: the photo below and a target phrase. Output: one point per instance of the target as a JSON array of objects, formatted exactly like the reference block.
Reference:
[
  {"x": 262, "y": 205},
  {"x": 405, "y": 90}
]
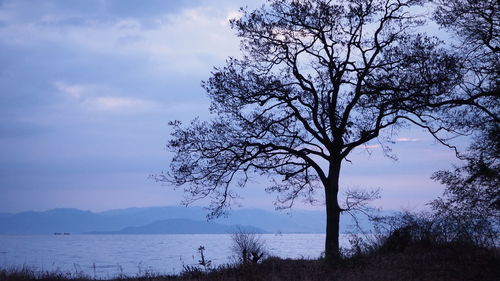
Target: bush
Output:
[
  {"x": 248, "y": 246},
  {"x": 428, "y": 230}
]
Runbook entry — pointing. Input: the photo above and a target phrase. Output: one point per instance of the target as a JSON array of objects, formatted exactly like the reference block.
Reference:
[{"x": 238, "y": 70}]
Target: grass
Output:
[{"x": 415, "y": 261}]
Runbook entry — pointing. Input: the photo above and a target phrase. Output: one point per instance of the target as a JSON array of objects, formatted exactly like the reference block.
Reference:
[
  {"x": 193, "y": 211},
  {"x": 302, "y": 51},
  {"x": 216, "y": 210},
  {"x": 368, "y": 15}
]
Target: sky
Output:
[{"x": 87, "y": 88}]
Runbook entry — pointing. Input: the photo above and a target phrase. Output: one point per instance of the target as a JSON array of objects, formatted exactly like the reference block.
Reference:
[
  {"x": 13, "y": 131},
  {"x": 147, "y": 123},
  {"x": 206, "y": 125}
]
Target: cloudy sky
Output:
[{"x": 87, "y": 88}]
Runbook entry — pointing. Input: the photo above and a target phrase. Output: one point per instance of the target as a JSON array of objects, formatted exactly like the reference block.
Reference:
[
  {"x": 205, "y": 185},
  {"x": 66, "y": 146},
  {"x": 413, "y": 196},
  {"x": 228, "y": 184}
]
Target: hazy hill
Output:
[
  {"x": 56, "y": 220},
  {"x": 184, "y": 226},
  {"x": 78, "y": 221}
]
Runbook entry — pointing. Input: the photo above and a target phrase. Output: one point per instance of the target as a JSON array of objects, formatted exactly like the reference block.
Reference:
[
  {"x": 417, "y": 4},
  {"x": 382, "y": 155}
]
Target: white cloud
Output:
[
  {"x": 407, "y": 139},
  {"x": 236, "y": 14},
  {"x": 102, "y": 98},
  {"x": 119, "y": 104},
  {"x": 188, "y": 41},
  {"x": 75, "y": 91}
]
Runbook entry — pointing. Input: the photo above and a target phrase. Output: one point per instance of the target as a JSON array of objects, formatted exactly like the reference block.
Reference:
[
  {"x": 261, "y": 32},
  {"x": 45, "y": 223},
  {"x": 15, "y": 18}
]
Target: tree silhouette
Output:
[
  {"x": 316, "y": 79},
  {"x": 476, "y": 24},
  {"x": 471, "y": 201},
  {"x": 470, "y": 205}
]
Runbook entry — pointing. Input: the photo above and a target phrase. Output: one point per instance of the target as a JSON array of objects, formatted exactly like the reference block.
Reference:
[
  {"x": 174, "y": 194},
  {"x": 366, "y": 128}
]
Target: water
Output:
[{"x": 104, "y": 256}]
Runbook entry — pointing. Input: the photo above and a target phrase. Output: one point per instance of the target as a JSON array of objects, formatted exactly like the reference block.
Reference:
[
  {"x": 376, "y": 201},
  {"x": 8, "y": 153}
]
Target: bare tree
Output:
[
  {"x": 476, "y": 22},
  {"x": 470, "y": 204},
  {"x": 476, "y": 25},
  {"x": 317, "y": 79}
]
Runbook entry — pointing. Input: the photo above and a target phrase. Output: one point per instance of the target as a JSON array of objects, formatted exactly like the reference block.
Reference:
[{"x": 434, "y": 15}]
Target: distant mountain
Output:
[
  {"x": 295, "y": 221},
  {"x": 56, "y": 220},
  {"x": 184, "y": 226},
  {"x": 78, "y": 221},
  {"x": 141, "y": 216},
  {"x": 275, "y": 221}
]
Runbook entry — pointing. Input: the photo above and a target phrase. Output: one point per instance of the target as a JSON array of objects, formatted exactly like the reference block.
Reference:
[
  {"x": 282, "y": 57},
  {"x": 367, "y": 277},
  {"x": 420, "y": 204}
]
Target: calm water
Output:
[{"x": 108, "y": 255}]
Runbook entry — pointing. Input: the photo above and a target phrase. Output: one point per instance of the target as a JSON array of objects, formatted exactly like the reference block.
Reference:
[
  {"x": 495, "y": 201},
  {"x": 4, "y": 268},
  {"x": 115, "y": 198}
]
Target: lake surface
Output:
[{"x": 103, "y": 256}]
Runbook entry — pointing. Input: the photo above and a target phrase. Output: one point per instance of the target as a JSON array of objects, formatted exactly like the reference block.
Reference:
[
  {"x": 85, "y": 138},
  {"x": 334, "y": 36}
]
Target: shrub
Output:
[
  {"x": 426, "y": 230},
  {"x": 248, "y": 246}
]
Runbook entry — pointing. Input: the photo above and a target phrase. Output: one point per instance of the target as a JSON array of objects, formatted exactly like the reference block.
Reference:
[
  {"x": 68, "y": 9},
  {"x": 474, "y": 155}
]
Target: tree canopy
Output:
[
  {"x": 316, "y": 79},
  {"x": 471, "y": 201},
  {"x": 475, "y": 26}
]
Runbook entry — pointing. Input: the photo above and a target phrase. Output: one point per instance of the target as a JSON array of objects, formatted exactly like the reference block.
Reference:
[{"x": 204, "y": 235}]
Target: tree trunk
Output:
[{"x": 332, "y": 249}]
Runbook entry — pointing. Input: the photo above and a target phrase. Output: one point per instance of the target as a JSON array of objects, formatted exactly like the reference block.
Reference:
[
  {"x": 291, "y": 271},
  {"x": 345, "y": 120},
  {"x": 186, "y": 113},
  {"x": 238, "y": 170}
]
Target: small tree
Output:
[{"x": 317, "y": 79}]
